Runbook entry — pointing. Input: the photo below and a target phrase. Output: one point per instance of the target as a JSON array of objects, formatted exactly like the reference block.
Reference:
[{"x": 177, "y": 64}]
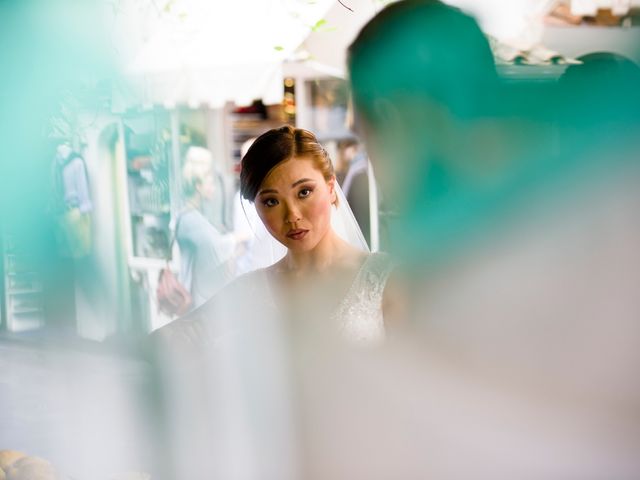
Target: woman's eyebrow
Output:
[
  {"x": 267, "y": 190},
  {"x": 302, "y": 180}
]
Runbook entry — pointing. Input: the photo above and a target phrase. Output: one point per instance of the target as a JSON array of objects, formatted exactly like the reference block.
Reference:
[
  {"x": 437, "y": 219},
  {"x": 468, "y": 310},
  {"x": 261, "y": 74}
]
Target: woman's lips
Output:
[{"x": 297, "y": 234}]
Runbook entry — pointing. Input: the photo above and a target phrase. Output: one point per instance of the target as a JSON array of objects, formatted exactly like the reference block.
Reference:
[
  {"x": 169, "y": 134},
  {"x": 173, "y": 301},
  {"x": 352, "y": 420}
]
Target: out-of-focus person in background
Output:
[
  {"x": 206, "y": 253},
  {"x": 355, "y": 182},
  {"x": 73, "y": 204},
  {"x": 347, "y": 149},
  {"x": 70, "y": 207},
  {"x": 416, "y": 111}
]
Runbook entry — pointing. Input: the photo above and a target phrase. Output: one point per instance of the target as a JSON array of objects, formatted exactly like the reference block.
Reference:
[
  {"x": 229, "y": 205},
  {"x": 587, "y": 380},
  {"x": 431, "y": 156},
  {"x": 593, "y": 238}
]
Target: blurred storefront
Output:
[{"x": 193, "y": 74}]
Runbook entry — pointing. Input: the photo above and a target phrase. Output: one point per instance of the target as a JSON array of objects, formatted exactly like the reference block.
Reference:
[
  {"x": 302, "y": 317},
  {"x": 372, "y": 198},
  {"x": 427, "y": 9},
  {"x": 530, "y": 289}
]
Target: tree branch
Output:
[{"x": 348, "y": 8}]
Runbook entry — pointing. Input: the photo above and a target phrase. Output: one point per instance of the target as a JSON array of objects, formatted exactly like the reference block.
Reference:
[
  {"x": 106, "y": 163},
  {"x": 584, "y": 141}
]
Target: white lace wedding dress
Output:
[
  {"x": 250, "y": 301},
  {"x": 359, "y": 315},
  {"x": 236, "y": 348},
  {"x": 357, "y": 318}
]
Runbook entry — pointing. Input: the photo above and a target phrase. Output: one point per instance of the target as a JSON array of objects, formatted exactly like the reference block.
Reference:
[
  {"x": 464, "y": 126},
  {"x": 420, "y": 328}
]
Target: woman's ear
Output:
[
  {"x": 332, "y": 190},
  {"x": 197, "y": 186}
]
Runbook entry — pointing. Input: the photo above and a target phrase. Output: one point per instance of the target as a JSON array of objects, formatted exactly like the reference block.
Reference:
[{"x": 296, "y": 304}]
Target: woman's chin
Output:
[{"x": 299, "y": 246}]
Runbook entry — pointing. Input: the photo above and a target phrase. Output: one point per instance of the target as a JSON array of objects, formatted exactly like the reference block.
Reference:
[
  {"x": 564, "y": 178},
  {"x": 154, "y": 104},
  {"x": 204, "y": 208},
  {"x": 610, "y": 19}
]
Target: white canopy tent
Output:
[
  {"x": 325, "y": 50},
  {"x": 198, "y": 52},
  {"x": 517, "y": 21},
  {"x": 518, "y": 24},
  {"x": 209, "y": 52}
]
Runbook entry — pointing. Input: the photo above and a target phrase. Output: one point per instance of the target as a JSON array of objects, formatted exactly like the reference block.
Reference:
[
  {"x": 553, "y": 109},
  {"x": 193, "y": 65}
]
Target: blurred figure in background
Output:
[
  {"x": 417, "y": 112},
  {"x": 70, "y": 207},
  {"x": 355, "y": 182},
  {"x": 206, "y": 253},
  {"x": 346, "y": 151},
  {"x": 73, "y": 204}
]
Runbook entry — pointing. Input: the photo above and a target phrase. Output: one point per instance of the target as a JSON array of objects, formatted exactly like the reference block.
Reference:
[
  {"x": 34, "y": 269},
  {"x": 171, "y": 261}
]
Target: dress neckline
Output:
[
  {"x": 356, "y": 280},
  {"x": 361, "y": 268}
]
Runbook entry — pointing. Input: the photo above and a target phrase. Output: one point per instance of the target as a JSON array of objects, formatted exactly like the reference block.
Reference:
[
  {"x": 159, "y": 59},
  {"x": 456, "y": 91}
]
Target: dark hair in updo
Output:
[{"x": 274, "y": 147}]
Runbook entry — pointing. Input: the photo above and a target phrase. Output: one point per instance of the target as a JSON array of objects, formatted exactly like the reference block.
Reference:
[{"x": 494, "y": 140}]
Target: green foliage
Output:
[
  {"x": 322, "y": 26},
  {"x": 168, "y": 6}
]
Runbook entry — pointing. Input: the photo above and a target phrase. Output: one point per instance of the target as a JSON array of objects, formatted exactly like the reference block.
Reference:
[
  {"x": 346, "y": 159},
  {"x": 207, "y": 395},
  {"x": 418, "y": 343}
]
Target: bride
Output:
[
  {"x": 289, "y": 178},
  {"x": 327, "y": 283},
  {"x": 230, "y": 367}
]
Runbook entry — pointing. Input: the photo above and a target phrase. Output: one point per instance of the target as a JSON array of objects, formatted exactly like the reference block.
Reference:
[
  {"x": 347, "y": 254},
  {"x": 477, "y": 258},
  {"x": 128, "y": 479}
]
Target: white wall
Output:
[{"x": 100, "y": 276}]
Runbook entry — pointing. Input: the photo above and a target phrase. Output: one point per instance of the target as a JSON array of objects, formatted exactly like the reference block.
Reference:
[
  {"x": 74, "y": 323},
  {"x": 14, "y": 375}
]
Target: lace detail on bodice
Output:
[{"x": 359, "y": 315}]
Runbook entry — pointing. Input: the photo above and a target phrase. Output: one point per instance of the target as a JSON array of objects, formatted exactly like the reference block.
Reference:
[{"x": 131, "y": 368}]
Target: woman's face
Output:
[
  {"x": 206, "y": 187},
  {"x": 294, "y": 203}
]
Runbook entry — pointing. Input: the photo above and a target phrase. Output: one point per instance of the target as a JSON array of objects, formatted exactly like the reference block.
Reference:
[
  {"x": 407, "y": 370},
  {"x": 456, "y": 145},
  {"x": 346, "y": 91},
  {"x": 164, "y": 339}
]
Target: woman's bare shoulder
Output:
[{"x": 351, "y": 257}]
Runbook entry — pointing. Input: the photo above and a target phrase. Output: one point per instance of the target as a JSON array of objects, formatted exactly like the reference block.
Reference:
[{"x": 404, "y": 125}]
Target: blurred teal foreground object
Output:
[
  {"x": 460, "y": 153},
  {"x": 49, "y": 50}
]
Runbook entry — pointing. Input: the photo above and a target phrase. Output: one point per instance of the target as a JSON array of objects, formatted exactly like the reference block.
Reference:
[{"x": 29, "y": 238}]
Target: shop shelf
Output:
[
  {"x": 24, "y": 291},
  {"x": 26, "y": 310}
]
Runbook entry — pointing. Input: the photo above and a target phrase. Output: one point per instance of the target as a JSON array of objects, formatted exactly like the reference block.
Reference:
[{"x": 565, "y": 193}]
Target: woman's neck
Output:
[
  {"x": 330, "y": 249},
  {"x": 194, "y": 202}
]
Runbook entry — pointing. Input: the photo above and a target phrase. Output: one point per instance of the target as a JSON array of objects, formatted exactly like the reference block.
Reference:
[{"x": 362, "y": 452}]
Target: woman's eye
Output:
[
  {"x": 305, "y": 192},
  {"x": 270, "y": 202}
]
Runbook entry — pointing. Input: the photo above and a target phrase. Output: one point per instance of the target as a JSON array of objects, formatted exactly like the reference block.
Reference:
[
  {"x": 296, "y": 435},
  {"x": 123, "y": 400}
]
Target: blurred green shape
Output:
[
  {"x": 50, "y": 51},
  {"x": 459, "y": 151}
]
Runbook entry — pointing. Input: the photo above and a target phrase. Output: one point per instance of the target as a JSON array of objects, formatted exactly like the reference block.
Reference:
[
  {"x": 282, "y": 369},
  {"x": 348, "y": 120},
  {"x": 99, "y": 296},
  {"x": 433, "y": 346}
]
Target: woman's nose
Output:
[{"x": 292, "y": 214}]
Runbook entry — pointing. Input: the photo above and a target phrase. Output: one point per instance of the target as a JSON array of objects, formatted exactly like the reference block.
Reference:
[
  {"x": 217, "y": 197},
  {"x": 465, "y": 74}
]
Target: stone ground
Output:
[{"x": 87, "y": 410}]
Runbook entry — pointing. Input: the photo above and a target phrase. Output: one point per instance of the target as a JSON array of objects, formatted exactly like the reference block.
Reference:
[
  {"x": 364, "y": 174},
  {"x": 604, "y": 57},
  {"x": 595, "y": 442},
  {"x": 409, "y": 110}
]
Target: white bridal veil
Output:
[{"x": 344, "y": 223}]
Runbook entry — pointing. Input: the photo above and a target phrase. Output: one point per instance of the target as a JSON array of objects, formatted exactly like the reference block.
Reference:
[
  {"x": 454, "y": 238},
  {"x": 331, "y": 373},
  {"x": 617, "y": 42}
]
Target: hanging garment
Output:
[{"x": 72, "y": 204}]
